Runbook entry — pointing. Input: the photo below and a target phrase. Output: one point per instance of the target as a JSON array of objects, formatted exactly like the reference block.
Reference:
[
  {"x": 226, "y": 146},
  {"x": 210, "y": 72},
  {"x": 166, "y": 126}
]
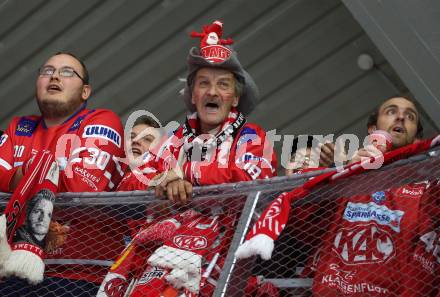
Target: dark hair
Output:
[
  {"x": 86, "y": 77},
  {"x": 146, "y": 120},
  {"x": 296, "y": 140},
  {"x": 372, "y": 118}
]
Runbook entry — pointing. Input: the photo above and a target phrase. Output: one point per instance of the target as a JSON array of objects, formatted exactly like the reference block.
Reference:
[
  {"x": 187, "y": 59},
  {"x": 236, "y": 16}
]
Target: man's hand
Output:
[
  {"x": 169, "y": 183},
  {"x": 179, "y": 191},
  {"x": 160, "y": 182},
  {"x": 366, "y": 152},
  {"x": 327, "y": 156}
]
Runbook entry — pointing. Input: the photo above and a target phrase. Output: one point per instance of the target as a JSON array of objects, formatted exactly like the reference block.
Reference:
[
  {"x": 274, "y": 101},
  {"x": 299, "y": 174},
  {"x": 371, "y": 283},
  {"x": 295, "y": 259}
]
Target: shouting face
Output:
[{"x": 213, "y": 95}]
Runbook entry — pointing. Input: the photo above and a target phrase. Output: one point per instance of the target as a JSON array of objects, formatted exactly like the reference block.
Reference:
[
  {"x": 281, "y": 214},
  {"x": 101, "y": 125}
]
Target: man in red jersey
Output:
[
  {"x": 87, "y": 144},
  {"x": 384, "y": 243}
]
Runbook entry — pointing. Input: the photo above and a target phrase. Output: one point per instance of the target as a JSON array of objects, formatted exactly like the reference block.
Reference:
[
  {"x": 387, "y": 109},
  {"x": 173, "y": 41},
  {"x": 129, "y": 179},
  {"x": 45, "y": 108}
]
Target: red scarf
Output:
[
  {"x": 260, "y": 240},
  {"x": 26, "y": 249},
  {"x": 179, "y": 254}
]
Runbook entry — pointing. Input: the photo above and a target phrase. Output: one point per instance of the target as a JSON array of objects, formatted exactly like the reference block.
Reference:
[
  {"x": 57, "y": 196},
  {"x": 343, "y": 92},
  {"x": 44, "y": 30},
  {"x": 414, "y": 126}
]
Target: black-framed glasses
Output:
[{"x": 63, "y": 72}]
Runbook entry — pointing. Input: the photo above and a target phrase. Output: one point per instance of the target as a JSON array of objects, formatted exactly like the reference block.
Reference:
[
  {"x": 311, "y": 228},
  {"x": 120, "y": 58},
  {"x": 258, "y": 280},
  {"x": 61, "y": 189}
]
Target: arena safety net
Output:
[{"x": 373, "y": 234}]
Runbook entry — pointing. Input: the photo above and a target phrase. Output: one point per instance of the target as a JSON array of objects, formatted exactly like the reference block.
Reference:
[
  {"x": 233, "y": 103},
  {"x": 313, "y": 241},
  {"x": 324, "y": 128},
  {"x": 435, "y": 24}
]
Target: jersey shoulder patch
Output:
[
  {"x": 26, "y": 126},
  {"x": 77, "y": 123}
]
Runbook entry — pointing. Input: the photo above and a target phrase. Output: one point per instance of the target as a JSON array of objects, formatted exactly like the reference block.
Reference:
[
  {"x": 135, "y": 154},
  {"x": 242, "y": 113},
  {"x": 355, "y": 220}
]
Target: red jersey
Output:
[
  {"x": 86, "y": 146},
  {"x": 381, "y": 245}
]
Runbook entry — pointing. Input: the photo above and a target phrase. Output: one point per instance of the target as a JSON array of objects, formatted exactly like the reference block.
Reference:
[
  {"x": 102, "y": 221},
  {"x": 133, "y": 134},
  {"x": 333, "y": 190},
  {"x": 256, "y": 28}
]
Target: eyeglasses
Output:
[{"x": 64, "y": 72}]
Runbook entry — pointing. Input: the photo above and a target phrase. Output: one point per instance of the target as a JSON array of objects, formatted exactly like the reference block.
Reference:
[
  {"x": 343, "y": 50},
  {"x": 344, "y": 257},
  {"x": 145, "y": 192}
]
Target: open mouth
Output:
[
  {"x": 212, "y": 107},
  {"x": 136, "y": 151},
  {"x": 54, "y": 88},
  {"x": 398, "y": 129}
]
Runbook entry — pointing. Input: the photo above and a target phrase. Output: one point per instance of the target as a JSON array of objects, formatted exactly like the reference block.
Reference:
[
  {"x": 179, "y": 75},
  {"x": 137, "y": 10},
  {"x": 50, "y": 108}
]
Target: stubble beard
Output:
[{"x": 56, "y": 108}]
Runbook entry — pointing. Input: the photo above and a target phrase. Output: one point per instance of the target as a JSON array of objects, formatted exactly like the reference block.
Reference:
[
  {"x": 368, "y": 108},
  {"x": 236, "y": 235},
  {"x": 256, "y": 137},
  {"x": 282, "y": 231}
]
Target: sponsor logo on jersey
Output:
[
  {"x": 189, "y": 242},
  {"x": 343, "y": 281},
  {"x": 411, "y": 191},
  {"x": 3, "y": 139},
  {"x": 363, "y": 244},
  {"x": 150, "y": 274},
  {"x": 426, "y": 263},
  {"x": 379, "y": 197},
  {"x": 104, "y": 132},
  {"x": 367, "y": 212},
  {"x": 25, "y": 127}
]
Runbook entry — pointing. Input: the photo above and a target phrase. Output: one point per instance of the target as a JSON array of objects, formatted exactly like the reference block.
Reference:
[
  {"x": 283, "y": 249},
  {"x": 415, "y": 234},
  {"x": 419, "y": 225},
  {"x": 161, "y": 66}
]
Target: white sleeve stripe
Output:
[
  {"x": 108, "y": 175},
  {"x": 118, "y": 166},
  {"x": 5, "y": 164}
]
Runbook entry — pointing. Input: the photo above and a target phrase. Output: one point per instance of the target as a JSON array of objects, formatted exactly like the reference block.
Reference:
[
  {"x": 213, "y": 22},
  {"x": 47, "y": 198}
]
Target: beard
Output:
[{"x": 56, "y": 108}]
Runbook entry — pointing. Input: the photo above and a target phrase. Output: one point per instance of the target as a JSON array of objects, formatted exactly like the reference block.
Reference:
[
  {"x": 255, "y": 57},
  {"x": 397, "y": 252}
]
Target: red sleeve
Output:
[
  {"x": 251, "y": 157},
  {"x": 423, "y": 272},
  {"x": 7, "y": 169},
  {"x": 93, "y": 163}
]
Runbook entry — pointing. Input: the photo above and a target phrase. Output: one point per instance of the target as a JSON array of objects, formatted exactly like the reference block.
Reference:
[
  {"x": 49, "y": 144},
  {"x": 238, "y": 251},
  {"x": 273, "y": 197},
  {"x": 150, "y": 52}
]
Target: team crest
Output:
[{"x": 379, "y": 197}]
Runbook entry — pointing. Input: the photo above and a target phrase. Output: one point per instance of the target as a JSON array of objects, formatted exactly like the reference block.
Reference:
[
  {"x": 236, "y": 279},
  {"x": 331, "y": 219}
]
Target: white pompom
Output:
[
  {"x": 260, "y": 244},
  {"x": 5, "y": 249},
  {"x": 26, "y": 265}
]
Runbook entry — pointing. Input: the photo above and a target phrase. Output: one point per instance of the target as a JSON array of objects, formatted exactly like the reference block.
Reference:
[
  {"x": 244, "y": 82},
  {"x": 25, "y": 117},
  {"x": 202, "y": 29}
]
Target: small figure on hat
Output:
[
  {"x": 212, "y": 35},
  {"x": 211, "y": 43}
]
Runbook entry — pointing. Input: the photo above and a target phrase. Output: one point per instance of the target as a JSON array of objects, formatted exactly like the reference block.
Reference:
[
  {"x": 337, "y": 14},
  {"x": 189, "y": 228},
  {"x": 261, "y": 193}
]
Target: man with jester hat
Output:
[
  {"x": 183, "y": 254},
  {"x": 215, "y": 145}
]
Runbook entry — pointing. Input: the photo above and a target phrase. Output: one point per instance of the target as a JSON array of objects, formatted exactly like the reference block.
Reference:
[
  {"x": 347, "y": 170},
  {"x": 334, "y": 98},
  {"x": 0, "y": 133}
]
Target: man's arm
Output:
[{"x": 9, "y": 178}]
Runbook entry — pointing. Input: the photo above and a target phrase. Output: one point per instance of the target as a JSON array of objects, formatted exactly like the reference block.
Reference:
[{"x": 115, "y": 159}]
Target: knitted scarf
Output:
[
  {"x": 21, "y": 242},
  {"x": 260, "y": 240},
  {"x": 173, "y": 255},
  {"x": 188, "y": 144}
]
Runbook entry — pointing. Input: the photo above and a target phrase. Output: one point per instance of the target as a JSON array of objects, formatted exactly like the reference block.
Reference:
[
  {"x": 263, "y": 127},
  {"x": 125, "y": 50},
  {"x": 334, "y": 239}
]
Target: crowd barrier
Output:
[{"x": 101, "y": 225}]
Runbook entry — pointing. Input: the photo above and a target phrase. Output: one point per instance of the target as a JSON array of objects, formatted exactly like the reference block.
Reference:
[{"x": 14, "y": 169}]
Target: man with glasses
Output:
[
  {"x": 86, "y": 144},
  {"x": 84, "y": 141}
]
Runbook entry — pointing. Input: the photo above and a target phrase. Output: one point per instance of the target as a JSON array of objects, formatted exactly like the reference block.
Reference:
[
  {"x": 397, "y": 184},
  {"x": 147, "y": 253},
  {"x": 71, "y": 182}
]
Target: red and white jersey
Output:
[
  {"x": 383, "y": 244},
  {"x": 86, "y": 145}
]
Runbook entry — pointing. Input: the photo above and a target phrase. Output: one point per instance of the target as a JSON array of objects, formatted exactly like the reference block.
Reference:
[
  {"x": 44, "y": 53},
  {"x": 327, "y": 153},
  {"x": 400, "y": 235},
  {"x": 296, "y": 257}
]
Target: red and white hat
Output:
[{"x": 216, "y": 52}]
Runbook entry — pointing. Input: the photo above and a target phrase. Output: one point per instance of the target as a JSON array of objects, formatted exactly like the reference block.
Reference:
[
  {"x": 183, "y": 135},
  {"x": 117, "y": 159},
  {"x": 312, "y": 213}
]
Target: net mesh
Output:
[{"x": 375, "y": 234}]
